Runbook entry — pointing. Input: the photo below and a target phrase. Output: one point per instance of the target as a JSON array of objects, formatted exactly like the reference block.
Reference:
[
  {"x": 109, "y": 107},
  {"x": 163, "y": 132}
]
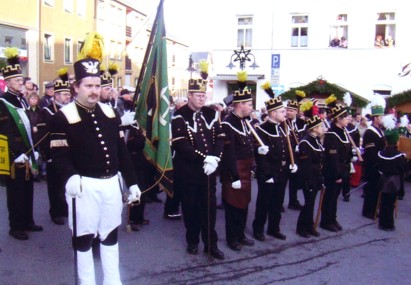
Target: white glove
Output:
[
  {"x": 134, "y": 195},
  {"x": 354, "y": 159},
  {"x": 263, "y": 150},
  {"x": 128, "y": 118},
  {"x": 209, "y": 168},
  {"x": 36, "y": 155},
  {"x": 297, "y": 149},
  {"x": 236, "y": 184},
  {"x": 73, "y": 186},
  {"x": 293, "y": 168},
  {"x": 354, "y": 151},
  {"x": 213, "y": 160},
  {"x": 22, "y": 158},
  {"x": 271, "y": 180}
]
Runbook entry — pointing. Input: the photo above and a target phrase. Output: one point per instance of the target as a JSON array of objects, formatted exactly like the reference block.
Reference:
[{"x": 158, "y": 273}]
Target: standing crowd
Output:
[{"x": 81, "y": 136}]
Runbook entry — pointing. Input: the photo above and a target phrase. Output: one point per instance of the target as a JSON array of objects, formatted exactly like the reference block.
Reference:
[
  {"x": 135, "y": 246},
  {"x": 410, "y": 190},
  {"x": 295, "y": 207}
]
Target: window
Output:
[
  {"x": 79, "y": 45},
  {"x": 48, "y": 47},
  {"x": 245, "y": 32},
  {"x": 299, "y": 31},
  {"x": 112, "y": 49},
  {"x": 339, "y": 32},
  {"x": 385, "y": 30},
  {"x": 119, "y": 51},
  {"x": 8, "y": 41},
  {"x": 68, "y": 6},
  {"x": 118, "y": 81},
  {"x": 101, "y": 9},
  {"x": 23, "y": 44},
  {"x": 49, "y": 2},
  {"x": 81, "y": 8},
  {"x": 68, "y": 51}
]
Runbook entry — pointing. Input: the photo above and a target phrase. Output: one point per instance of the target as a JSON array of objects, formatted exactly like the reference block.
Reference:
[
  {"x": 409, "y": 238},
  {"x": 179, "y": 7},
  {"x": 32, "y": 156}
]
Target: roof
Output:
[
  {"x": 398, "y": 99},
  {"x": 321, "y": 88}
]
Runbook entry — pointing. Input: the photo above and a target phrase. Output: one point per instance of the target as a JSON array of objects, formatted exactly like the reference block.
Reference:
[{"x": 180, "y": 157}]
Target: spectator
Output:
[
  {"x": 125, "y": 102},
  {"x": 363, "y": 126},
  {"x": 48, "y": 95},
  {"x": 379, "y": 42},
  {"x": 335, "y": 42},
  {"x": 389, "y": 42},
  {"x": 343, "y": 42},
  {"x": 28, "y": 86}
]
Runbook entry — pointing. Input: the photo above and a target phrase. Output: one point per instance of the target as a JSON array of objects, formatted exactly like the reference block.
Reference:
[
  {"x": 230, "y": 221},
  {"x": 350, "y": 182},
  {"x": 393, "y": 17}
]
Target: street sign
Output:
[{"x": 275, "y": 61}]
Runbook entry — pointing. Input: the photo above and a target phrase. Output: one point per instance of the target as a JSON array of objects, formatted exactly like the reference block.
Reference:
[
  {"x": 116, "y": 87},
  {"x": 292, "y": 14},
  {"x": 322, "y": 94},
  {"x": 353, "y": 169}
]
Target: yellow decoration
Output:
[
  {"x": 307, "y": 105},
  {"x": 300, "y": 93},
  {"x": 330, "y": 99},
  {"x": 62, "y": 71},
  {"x": 103, "y": 67},
  {"x": 113, "y": 66},
  {"x": 242, "y": 76},
  {"x": 266, "y": 85},
  {"x": 11, "y": 52},
  {"x": 203, "y": 65},
  {"x": 93, "y": 47}
]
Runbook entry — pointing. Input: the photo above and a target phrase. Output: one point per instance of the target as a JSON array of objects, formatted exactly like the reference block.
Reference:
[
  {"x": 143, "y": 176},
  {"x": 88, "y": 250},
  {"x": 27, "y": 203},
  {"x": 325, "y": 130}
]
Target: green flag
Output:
[{"x": 153, "y": 102}]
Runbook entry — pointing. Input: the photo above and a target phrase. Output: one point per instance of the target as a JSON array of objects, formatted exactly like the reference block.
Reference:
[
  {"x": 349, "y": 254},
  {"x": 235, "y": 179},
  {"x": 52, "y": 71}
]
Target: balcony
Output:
[{"x": 129, "y": 32}]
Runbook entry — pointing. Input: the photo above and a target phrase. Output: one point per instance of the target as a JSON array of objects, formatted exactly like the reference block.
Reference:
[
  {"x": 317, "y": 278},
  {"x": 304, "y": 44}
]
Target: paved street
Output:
[{"x": 360, "y": 254}]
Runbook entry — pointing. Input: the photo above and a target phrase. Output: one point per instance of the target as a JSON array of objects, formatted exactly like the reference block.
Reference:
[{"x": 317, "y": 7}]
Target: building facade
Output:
[
  {"x": 292, "y": 44},
  {"x": 19, "y": 27}
]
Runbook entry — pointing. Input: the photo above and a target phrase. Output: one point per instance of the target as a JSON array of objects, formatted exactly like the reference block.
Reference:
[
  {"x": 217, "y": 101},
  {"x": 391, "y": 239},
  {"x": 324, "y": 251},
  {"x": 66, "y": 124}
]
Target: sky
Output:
[{"x": 189, "y": 21}]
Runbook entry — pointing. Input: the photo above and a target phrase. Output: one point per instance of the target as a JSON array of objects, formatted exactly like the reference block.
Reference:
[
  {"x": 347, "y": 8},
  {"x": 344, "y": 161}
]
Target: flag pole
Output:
[{"x": 147, "y": 54}]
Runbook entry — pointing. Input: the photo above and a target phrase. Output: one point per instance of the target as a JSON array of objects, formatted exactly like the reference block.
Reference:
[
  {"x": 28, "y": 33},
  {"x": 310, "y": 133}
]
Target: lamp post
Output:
[
  {"x": 190, "y": 67},
  {"x": 242, "y": 56}
]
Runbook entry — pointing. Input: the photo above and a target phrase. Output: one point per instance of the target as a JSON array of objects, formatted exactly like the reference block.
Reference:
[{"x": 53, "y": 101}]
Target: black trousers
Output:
[
  {"x": 172, "y": 204},
  {"x": 199, "y": 210},
  {"x": 305, "y": 220},
  {"x": 329, "y": 207},
  {"x": 401, "y": 193},
  {"x": 20, "y": 200},
  {"x": 270, "y": 198},
  {"x": 56, "y": 192},
  {"x": 386, "y": 214},
  {"x": 137, "y": 211},
  {"x": 293, "y": 187},
  {"x": 371, "y": 194},
  {"x": 235, "y": 222},
  {"x": 345, "y": 187}
]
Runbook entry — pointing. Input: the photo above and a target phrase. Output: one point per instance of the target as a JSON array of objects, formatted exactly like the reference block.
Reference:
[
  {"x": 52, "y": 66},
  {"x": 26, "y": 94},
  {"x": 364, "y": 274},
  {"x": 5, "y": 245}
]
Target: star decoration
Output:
[{"x": 242, "y": 56}]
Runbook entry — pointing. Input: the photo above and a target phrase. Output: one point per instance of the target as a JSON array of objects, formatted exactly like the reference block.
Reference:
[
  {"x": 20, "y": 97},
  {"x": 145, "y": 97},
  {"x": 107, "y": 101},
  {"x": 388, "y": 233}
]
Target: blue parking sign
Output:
[{"x": 275, "y": 61}]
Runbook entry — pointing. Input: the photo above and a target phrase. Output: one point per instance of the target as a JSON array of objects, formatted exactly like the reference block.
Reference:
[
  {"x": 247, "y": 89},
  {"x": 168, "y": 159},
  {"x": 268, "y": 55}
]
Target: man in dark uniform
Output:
[
  {"x": 338, "y": 155},
  {"x": 15, "y": 127},
  {"x": 297, "y": 128},
  {"x": 55, "y": 186},
  {"x": 391, "y": 163},
  {"x": 236, "y": 170},
  {"x": 273, "y": 170},
  {"x": 311, "y": 160},
  {"x": 352, "y": 131},
  {"x": 88, "y": 149},
  {"x": 373, "y": 142},
  {"x": 197, "y": 141}
]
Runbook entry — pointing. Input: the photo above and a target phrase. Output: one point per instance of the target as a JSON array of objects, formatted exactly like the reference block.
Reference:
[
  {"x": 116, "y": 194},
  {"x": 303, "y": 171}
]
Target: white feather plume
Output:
[
  {"x": 347, "y": 99},
  {"x": 389, "y": 121},
  {"x": 404, "y": 121},
  {"x": 377, "y": 100}
]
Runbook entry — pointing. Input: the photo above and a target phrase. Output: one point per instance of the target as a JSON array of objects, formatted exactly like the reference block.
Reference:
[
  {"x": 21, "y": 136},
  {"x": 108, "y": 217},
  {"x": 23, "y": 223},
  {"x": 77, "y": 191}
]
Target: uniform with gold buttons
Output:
[
  {"x": 197, "y": 138},
  {"x": 274, "y": 166}
]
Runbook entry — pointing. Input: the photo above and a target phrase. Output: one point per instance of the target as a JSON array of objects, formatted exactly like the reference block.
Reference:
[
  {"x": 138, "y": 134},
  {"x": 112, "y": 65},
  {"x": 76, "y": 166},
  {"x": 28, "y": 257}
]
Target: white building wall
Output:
[{"x": 360, "y": 68}]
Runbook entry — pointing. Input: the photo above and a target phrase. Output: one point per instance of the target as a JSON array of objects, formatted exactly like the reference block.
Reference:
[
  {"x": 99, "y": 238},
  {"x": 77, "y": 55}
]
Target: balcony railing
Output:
[{"x": 129, "y": 31}]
